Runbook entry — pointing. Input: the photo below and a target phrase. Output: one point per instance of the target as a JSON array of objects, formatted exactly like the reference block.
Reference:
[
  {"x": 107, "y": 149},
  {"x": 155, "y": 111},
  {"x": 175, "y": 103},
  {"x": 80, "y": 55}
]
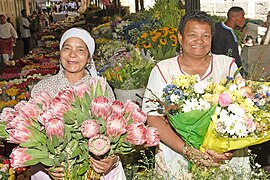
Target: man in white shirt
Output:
[
  {"x": 25, "y": 32},
  {"x": 8, "y": 36}
]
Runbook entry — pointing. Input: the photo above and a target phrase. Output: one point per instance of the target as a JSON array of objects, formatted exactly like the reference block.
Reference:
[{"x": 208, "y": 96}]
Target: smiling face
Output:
[
  {"x": 74, "y": 56},
  {"x": 196, "y": 39}
]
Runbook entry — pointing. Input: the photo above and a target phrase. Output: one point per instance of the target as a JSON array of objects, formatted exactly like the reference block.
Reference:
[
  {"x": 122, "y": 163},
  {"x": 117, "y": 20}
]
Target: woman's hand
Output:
[
  {"x": 56, "y": 173},
  {"x": 104, "y": 165},
  {"x": 197, "y": 157},
  {"x": 218, "y": 158}
]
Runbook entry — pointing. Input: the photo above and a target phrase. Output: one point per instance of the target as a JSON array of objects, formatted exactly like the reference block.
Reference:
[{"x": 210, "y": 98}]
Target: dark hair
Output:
[
  {"x": 234, "y": 9},
  {"x": 196, "y": 15},
  {"x": 22, "y": 11}
]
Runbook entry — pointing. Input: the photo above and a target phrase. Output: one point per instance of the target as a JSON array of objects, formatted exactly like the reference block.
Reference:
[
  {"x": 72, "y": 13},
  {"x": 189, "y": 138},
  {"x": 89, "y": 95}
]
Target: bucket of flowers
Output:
[
  {"x": 161, "y": 43},
  {"x": 77, "y": 124},
  {"x": 231, "y": 115},
  {"x": 129, "y": 74}
]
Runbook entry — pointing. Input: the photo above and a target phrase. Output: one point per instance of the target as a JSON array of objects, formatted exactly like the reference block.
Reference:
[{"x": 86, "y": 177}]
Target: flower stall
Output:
[{"x": 89, "y": 125}]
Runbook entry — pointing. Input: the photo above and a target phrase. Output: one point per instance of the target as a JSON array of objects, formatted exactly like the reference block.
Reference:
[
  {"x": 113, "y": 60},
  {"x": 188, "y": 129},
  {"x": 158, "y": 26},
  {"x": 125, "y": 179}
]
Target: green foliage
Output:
[
  {"x": 131, "y": 71},
  {"x": 166, "y": 12}
]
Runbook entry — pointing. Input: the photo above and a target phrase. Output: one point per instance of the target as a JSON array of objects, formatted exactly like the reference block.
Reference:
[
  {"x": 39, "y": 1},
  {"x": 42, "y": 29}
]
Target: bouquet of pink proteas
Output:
[{"x": 78, "y": 123}]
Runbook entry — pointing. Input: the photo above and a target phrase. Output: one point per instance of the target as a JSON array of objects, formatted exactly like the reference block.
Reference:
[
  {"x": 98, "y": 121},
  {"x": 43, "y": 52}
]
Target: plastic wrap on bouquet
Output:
[
  {"x": 192, "y": 125},
  {"x": 221, "y": 144}
]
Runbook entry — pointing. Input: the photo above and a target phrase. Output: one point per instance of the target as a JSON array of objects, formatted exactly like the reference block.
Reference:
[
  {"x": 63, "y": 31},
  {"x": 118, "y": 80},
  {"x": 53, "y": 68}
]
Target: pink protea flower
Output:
[
  {"x": 224, "y": 99},
  {"x": 20, "y": 104},
  {"x": 18, "y": 119},
  {"x": 67, "y": 94},
  {"x": 117, "y": 107},
  {"x": 137, "y": 116},
  {"x": 18, "y": 157},
  {"x": 129, "y": 106},
  {"x": 43, "y": 98},
  {"x": 20, "y": 133},
  {"x": 81, "y": 88},
  {"x": 152, "y": 136},
  {"x": 136, "y": 134},
  {"x": 7, "y": 114},
  {"x": 55, "y": 126},
  {"x": 30, "y": 110},
  {"x": 101, "y": 107},
  {"x": 116, "y": 125},
  {"x": 59, "y": 106},
  {"x": 99, "y": 144},
  {"x": 45, "y": 116},
  {"x": 89, "y": 128}
]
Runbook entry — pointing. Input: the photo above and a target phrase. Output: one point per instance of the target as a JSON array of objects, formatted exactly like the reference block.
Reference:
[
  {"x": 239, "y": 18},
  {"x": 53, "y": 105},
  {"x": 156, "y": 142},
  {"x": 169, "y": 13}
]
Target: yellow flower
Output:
[
  {"x": 163, "y": 41},
  {"x": 165, "y": 31},
  {"x": 173, "y": 38},
  {"x": 153, "y": 33},
  {"x": 174, "y": 43},
  {"x": 22, "y": 96},
  {"x": 12, "y": 91},
  {"x": 174, "y": 31},
  {"x": 144, "y": 35},
  {"x": 156, "y": 36},
  {"x": 147, "y": 45}
]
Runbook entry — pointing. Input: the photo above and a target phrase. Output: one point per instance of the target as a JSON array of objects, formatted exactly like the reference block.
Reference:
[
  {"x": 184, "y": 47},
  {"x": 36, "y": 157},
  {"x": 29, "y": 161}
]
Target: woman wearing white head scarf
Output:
[{"x": 76, "y": 50}]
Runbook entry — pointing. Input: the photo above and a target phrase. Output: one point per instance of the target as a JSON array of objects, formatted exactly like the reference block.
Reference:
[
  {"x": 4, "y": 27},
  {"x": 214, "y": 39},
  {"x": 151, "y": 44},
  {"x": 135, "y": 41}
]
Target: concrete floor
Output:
[{"x": 18, "y": 49}]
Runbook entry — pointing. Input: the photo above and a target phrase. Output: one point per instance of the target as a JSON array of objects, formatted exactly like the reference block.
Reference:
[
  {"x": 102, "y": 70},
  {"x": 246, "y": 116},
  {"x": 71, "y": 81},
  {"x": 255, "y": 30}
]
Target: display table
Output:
[{"x": 256, "y": 61}]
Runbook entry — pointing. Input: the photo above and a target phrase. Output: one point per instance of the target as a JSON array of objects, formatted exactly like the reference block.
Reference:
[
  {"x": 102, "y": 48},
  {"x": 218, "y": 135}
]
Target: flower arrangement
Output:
[
  {"x": 161, "y": 43},
  {"x": 6, "y": 172},
  {"x": 227, "y": 116},
  {"x": 78, "y": 123},
  {"x": 130, "y": 70}
]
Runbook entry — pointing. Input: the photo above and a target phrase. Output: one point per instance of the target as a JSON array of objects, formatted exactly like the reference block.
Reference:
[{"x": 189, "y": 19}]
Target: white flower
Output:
[
  {"x": 233, "y": 87},
  {"x": 241, "y": 84},
  {"x": 174, "y": 98},
  {"x": 236, "y": 110},
  {"x": 218, "y": 110},
  {"x": 241, "y": 130},
  {"x": 200, "y": 87}
]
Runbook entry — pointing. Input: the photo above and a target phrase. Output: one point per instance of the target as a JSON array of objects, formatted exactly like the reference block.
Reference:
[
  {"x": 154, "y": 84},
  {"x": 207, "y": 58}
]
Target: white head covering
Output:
[
  {"x": 87, "y": 39},
  {"x": 83, "y": 35}
]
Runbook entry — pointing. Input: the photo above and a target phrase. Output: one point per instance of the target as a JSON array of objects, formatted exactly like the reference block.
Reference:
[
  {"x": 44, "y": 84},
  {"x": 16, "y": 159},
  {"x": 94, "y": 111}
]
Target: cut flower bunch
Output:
[
  {"x": 129, "y": 70},
  {"x": 161, "y": 43},
  {"x": 78, "y": 123},
  {"x": 227, "y": 116}
]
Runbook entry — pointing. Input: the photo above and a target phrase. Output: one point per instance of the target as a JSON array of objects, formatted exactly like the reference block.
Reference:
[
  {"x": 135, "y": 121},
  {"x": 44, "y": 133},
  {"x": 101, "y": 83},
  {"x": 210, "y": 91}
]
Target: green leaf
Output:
[
  {"x": 82, "y": 170},
  {"x": 75, "y": 153},
  {"x": 50, "y": 146},
  {"x": 31, "y": 162},
  {"x": 55, "y": 141},
  {"x": 33, "y": 143},
  {"x": 116, "y": 139},
  {"x": 38, "y": 135},
  {"x": 62, "y": 157},
  {"x": 47, "y": 162},
  {"x": 35, "y": 153},
  {"x": 3, "y": 132}
]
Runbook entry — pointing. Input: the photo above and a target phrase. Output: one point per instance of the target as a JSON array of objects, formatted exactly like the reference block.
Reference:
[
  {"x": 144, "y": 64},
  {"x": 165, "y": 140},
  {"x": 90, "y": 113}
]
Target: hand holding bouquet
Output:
[
  {"x": 221, "y": 117},
  {"x": 61, "y": 131}
]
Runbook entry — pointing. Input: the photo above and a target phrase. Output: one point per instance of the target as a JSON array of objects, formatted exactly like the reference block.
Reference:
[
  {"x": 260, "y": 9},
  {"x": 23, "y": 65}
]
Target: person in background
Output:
[
  {"x": 14, "y": 42},
  {"x": 195, "y": 35},
  {"x": 224, "y": 39},
  {"x": 25, "y": 32},
  {"x": 77, "y": 66},
  {"x": 8, "y": 36}
]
